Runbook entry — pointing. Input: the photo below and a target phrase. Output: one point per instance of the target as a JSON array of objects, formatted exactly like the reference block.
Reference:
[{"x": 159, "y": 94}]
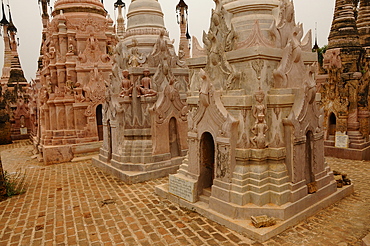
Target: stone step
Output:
[
  {"x": 356, "y": 137},
  {"x": 357, "y": 141},
  {"x": 329, "y": 143},
  {"x": 359, "y": 145},
  {"x": 207, "y": 192},
  {"x": 203, "y": 198}
]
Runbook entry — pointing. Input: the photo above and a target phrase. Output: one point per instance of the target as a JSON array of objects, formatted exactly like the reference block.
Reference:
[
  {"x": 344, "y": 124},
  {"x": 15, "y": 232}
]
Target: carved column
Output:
[
  {"x": 363, "y": 117},
  {"x": 69, "y": 113},
  {"x": 52, "y": 115},
  {"x": 115, "y": 136},
  {"x": 60, "y": 115}
]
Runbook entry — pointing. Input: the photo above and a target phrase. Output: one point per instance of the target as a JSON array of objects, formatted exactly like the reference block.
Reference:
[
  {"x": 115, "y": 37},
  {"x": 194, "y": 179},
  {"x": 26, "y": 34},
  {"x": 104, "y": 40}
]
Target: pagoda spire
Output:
[
  {"x": 11, "y": 57},
  {"x": 11, "y": 27},
  {"x": 45, "y": 14},
  {"x": 316, "y": 46},
  {"x": 343, "y": 31},
  {"x": 363, "y": 23},
  {"x": 4, "y": 21},
  {"x": 120, "y": 20},
  {"x": 182, "y": 20},
  {"x": 12, "y": 32}
]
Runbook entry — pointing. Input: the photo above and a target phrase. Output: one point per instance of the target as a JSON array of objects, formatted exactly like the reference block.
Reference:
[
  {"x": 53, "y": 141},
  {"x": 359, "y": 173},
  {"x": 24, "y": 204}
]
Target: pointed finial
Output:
[
  {"x": 119, "y": 3},
  {"x": 4, "y": 21},
  {"x": 316, "y": 46},
  {"x": 11, "y": 27}
]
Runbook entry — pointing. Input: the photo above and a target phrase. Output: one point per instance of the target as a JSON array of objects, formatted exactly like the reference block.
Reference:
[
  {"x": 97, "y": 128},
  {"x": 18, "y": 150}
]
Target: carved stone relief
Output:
[{"x": 260, "y": 126}]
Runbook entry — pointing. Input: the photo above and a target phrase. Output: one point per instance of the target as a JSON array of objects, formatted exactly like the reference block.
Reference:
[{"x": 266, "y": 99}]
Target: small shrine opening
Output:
[
  {"x": 332, "y": 124},
  {"x": 173, "y": 138},
  {"x": 207, "y": 160},
  {"x": 99, "y": 121}
]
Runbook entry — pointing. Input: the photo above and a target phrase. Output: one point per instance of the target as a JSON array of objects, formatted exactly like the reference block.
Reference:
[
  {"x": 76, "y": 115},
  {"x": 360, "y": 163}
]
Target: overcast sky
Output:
[{"x": 26, "y": 17}]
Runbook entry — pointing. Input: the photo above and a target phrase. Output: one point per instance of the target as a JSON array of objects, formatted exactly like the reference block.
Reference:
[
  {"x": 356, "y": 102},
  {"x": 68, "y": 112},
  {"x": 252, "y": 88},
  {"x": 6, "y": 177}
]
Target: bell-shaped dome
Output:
[
  {"x": 145, "y": 14},
  {"x": 94, "y": 6}
]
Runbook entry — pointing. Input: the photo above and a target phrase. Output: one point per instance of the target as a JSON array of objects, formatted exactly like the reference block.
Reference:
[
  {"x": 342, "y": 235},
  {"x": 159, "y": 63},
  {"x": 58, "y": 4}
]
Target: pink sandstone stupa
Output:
[
  {"x": 75, "y": 65},
  {"x": 145, "y": 113},
  {"x": 14, "y": 86},
  {"x": 255, "y": 130}
]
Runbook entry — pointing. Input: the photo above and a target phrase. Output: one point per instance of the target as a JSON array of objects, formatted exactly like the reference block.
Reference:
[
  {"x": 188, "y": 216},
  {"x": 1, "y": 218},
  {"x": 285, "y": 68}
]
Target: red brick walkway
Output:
[{"x": 77, "y": 204}]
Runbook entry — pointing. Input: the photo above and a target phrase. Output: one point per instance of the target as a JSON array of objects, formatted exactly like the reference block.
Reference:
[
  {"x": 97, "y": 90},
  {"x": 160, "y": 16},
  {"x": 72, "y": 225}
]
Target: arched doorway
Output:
[
  {"x": 99, "y": 121},
  {"x": 173, "y": 138},
  {"x": 109, "y": 141},
  {"x": 308, "y": 170},
  {"x": 332, "y": 124},
  {"x": 207, "y": 161}
]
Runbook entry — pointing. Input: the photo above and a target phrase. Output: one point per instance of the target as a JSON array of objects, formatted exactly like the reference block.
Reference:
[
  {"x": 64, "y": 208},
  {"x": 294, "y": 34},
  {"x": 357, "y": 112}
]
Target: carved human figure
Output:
[
  {"x": 50, "y": 84},
  {"x": 136, "y": 58},
  {"x": 79, "y": 93},
  {"x": 52, "y": 53},
  {"x": 126, "y": 84},
  {"x": 44, "y": 95},
  {"x": 259, "y": 108},
  {"x": 204, "y": 88},
  {"x": 160, "y": 49},
  {"x": 170, "y": 90},
  {"x": 71, "y": 48},
  {"x": 181, "y": 52},
  {"x": 69, "y": 85},
  {"x": 161, "y": 45},
  {"x": 145, "y": 88},
  {"x": 260, "y": 127}
]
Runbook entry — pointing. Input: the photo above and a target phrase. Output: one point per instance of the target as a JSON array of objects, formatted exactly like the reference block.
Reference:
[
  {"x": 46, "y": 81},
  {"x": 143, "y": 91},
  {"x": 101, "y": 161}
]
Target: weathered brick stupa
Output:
[
  {"x": 76, "y": 63},
  {"x": 345, "y": 92},
  {"x": 13, "y": 84},
  {"x": 255, "y": 130},
  {"x": 145, "y": 114}
]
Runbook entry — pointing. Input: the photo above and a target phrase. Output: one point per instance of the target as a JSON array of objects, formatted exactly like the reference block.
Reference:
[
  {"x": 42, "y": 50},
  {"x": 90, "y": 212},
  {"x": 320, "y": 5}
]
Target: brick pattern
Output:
[{"x": 77, "y": 204}]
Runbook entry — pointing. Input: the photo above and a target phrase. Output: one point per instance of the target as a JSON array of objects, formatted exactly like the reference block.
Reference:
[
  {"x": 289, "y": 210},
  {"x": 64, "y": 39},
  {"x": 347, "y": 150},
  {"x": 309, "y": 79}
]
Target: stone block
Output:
[
  {"x": 262, "y": 221},
  {"x": 57, "y": 154},
  {"x": 182, "y": 187}
]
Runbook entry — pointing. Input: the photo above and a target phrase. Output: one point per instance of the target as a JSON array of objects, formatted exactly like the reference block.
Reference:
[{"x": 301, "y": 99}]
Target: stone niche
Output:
[
  {"x": 254, "y": 124},
  {"x": 145, "y": 114}
]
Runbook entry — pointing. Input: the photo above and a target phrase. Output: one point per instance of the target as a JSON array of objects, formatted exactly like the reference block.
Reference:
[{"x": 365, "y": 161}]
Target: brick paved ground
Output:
[{"x": 62, "y": 206}]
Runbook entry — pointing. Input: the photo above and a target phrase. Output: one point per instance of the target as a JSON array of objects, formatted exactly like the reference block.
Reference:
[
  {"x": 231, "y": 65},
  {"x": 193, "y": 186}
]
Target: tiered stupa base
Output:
[
  {"x": 307, "y": 206},
  {"x": 359, "y": 148},
  {"x": 137, "y": 164},
  {"x": 257, "y": 188}
]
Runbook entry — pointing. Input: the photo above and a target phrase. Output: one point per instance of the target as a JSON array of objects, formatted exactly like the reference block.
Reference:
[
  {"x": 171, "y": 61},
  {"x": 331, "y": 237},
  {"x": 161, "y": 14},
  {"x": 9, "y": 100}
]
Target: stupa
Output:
[
  {"x": 75, "y": 65},
  {"x": 145, "y": 114},
  {"x": 14, "y": 86},
  {"x": 345, "y": 92},
  {"x": 255, "y": 129}
]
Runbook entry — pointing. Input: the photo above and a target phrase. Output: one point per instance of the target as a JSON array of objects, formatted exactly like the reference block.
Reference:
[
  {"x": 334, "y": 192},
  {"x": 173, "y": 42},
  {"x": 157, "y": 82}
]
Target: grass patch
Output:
[{"x": 14, "y": 183}]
